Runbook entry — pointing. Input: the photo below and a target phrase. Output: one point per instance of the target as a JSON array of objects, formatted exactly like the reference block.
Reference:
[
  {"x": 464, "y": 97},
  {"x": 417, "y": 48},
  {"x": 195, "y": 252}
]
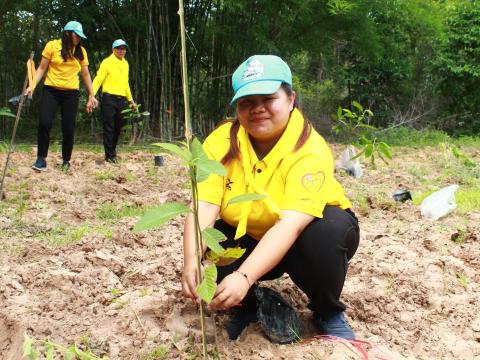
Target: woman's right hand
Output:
[
  {"x": 189, "y": 280},
  {"x": 28, "y": 91}
]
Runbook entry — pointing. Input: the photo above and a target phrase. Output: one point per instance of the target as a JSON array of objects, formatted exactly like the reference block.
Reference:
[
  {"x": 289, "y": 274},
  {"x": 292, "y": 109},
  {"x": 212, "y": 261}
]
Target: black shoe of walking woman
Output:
[
  {"x": 65, "y": 166},
  {"x": 40, "y": 164}
]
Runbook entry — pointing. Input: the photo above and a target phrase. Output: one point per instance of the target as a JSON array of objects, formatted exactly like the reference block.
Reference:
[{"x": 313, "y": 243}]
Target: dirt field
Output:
[{"x": 72, "y": 270}]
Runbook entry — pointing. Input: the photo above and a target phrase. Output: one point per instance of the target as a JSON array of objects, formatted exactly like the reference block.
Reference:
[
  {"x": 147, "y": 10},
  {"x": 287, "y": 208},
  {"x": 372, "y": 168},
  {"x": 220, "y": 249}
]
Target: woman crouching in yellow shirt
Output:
[
  {"x": 62, "y": 60},
  {"x": 113, "y": 78},
  {"x": 304, "y": 228}
]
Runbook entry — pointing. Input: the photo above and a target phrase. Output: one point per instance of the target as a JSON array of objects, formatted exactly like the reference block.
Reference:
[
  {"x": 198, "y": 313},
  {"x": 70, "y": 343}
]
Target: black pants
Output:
[
  {"x": 317, "y": 262},
  {"x": 112, "y": 107},
  {"x": 52, "y": 99}
]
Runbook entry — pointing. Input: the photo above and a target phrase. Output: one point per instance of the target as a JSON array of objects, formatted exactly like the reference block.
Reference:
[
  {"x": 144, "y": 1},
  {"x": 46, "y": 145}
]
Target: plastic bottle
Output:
[
  {"x": 440, "y": 203},
  {"x": 352, "y": 167}
]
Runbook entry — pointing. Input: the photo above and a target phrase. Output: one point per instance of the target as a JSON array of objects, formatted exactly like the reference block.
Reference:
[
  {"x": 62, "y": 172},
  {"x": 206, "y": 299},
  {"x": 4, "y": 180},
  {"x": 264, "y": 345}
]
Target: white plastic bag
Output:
[
  {"x": 352, "y": 167},
  {"x": 440, "y": 203}
]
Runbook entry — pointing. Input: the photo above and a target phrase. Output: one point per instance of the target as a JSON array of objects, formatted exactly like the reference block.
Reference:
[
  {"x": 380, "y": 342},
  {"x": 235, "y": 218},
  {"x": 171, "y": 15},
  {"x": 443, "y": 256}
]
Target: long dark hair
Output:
[
  {"x": 67, "y": 44},
  {"x": 234, "y": 151}
]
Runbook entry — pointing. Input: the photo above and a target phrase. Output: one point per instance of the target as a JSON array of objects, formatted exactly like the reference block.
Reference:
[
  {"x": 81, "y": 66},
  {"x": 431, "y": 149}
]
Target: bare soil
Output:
[{"x": 73, "y": 271}]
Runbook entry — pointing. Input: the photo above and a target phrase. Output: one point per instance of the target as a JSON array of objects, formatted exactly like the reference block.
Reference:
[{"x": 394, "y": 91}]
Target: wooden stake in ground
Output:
[{"x": 30, "y": 80}]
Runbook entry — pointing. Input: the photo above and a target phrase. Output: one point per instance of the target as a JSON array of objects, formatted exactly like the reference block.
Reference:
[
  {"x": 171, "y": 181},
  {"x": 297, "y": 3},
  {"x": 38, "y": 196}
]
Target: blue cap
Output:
[
  {"x": 119, "y": 42},
  {"x": 260, "y": 75},
  {"x": 76, "y": 27}
]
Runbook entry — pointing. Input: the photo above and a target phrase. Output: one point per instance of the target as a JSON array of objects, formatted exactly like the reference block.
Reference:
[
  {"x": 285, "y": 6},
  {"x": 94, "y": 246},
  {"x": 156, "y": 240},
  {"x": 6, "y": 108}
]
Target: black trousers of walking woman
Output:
[
  {"x": 317, "y": 262},
  {"x": 112, "y": 119},
  {"x": 53, "y": 99}
]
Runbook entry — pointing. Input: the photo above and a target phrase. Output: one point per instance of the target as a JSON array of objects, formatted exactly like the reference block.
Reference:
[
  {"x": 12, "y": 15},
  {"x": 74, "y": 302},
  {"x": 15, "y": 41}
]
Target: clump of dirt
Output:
[{"x": 73, "y": 271}]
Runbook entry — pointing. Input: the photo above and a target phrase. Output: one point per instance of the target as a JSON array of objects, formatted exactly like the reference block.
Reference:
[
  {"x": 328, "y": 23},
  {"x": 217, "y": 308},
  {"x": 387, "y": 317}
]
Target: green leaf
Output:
[
  {"x": 369, "y": 112},
  {"x": 207, "y": 167},
  {"x": 368, "y": 150},
  {"x": 224, "y": 256},
  {"x": 175, "y": 149},
  {"x": 246, "y": 197},
  {"x": 206, "y": 289},
  {"x": 358, "y": 155},
  {"x": 198, "y": 154},
  {"x": 212, "y": 237},
  {"x": 27, "y": 345},
  {"x": 339, "y": 112},
  {"x": 160, "y": 215},
  {"x": 357, "y": 105},
  {"x": 234, "y": 253},
  {"x": 6, "y": 112},
  {"x": 384, "y": 149}
]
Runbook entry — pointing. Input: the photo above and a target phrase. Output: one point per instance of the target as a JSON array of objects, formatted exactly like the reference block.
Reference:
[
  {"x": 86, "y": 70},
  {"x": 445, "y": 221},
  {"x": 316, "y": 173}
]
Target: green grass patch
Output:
[
  {"x": 61, "y": 236},
  {"x": 110, "y": 211},
  {"x": 468, "y": 199},
  {"x": 104, "y": 175},
  {"x": 404, "y": 136}
]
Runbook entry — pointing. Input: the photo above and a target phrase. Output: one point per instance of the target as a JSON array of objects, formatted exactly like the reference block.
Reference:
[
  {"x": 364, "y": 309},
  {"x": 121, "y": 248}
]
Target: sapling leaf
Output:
[
  {"x": 175, "y": 149},
  {"x": 339, "y": 112},
  {"x": 384, "y": 149},
  {"x": 358, "y": 155},
  {"x": 225, "y": 257},
  {"x": 207, "y": 167},
  {"x": 70, "y": 353},
  {"x": 212, "y": 237},
  {"x": 246, "y": 197},
  {"x": 6, "y": 112},
  {"x": 198, "y": 153},
  {"x": 160, "y": 215},
  {"x": 368, "y": 150},
  {"x": 207, "y": 287},
  {"x": 357, "y": 105}
]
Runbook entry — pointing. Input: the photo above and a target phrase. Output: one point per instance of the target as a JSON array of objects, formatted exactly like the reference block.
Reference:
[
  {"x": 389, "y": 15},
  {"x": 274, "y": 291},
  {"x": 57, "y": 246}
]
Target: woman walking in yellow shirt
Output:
[
  {"x": 304, "y": 227},
  {"x": 62, "y": 60},
  {"x": 113, "y": 78}
]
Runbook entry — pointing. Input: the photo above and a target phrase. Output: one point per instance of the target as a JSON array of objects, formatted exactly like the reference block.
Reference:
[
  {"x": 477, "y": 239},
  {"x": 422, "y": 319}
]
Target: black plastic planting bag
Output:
[{"x": 277, "y": 318}]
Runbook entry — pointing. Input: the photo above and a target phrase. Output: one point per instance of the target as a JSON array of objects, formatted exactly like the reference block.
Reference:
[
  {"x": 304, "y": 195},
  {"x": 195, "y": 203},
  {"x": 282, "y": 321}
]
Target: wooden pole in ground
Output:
[{"x": 17, "y": 119}]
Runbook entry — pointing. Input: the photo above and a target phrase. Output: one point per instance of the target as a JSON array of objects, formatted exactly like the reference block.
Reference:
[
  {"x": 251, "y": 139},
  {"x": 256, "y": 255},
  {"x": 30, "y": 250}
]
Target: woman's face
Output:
[
  {"x": 120, "y": 51},
  {"x": 265, "y": 117},
  {"x": 75, "y": 38}
]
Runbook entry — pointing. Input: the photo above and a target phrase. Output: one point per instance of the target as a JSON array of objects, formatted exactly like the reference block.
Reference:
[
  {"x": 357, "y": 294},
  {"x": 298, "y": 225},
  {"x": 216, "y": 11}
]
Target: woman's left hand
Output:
[
  {"x": 230, "y": 292},
  {"x": 91, "y": 104}
]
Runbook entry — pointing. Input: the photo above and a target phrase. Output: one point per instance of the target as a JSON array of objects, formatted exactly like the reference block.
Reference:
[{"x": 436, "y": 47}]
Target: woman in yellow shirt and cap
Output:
[
  {"x": 304, "y": 227},
  {"x": 113, "y": 78},
  {"x": 62, "y": 60}
]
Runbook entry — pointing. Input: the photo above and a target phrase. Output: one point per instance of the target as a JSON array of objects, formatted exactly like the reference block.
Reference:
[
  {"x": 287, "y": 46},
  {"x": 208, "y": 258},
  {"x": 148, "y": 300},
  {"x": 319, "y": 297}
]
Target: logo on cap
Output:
[{"x": 254, "y": 70}]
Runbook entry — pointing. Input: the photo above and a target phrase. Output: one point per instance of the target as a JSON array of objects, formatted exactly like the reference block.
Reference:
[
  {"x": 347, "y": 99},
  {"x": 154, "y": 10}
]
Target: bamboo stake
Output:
[
  {"x": 17, "y": 119},
  {"x": 188, "y": 137}
]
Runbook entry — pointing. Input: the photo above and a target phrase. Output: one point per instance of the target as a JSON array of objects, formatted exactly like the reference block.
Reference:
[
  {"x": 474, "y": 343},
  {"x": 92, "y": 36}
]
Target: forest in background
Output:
[{"x": 412, "y": 62}]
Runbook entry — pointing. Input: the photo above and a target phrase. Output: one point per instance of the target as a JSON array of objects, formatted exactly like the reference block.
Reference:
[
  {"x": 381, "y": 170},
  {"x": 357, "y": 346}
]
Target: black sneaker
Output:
[
  {"x": 40, "y": 164},
  {"x": 65, "y": 166},
  {"x": 111, "y": 160},
  {"x": 337, "y": 326}
]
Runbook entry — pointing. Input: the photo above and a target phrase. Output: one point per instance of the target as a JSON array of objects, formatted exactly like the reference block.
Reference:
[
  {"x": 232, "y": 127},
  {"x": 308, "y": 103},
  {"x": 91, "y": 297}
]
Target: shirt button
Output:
[{"x": 259, "y": 171}]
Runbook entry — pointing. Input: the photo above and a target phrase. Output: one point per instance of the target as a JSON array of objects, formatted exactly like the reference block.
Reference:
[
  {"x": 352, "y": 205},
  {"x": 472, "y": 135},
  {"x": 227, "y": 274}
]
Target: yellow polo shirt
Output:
[
  {"x": 62, "y": 74},
  {"x": 113, "y": 77},
  {"x": 302, "y": 181}
]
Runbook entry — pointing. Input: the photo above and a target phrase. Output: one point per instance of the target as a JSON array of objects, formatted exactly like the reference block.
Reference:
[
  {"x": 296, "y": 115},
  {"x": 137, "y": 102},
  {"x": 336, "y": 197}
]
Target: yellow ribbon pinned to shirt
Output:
[{"x": 253, "y": 186}]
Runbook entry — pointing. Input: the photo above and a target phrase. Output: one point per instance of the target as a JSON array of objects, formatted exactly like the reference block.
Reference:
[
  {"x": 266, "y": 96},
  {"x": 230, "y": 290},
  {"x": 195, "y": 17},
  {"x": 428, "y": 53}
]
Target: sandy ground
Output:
[{"x": 72, "y": 270}]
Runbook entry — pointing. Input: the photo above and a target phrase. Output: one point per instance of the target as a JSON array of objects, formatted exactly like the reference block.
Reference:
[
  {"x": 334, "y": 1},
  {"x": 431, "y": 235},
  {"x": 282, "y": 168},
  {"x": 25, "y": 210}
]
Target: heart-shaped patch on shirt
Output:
[{"x": 313, "y": 182}]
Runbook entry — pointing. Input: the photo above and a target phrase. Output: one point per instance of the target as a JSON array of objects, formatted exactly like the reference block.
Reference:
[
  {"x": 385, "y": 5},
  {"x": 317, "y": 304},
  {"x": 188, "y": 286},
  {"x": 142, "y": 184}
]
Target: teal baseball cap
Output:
[
  {"x": 76, "y": 27},
  {"x": 119, "y": 42},
  {"x": 260, "y": 75}
]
